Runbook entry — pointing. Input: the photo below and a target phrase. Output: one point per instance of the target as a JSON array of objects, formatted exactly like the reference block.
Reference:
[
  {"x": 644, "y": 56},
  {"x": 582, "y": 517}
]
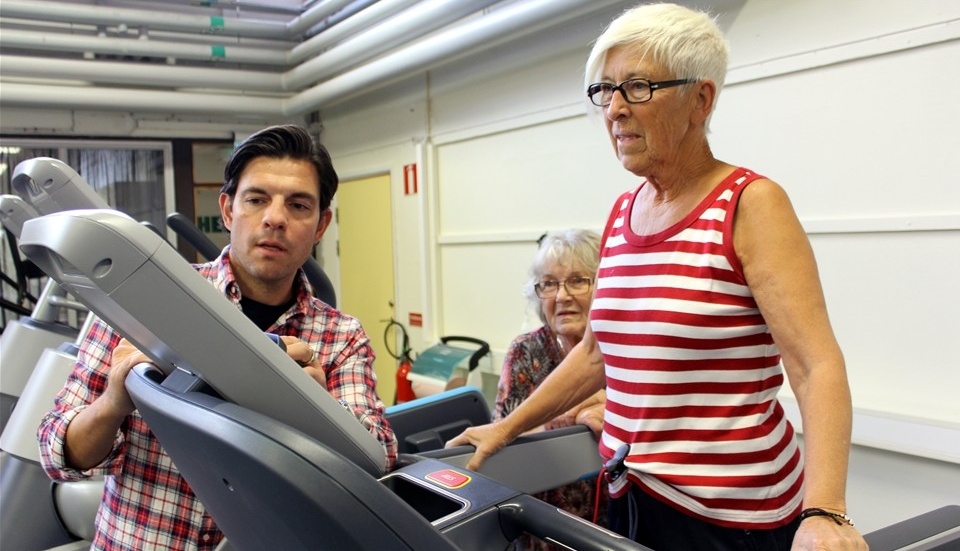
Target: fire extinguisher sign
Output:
[{"x": 410, "y": 186}]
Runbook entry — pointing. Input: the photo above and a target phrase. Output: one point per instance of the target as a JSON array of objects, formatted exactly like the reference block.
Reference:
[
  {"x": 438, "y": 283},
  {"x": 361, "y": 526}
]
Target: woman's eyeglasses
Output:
[
  {"x": 574, "y": 286},
  {"x": 635, "y": 90}
]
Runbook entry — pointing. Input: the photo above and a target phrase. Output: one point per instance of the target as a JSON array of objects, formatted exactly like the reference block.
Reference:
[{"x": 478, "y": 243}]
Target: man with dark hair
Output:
[{"x": 275, "y": 203}]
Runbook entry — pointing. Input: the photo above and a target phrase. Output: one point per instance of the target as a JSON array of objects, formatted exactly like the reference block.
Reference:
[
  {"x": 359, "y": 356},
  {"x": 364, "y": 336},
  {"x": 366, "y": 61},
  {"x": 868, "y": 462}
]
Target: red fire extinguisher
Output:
[
  {"x": 404, "y": 391},
  {"x": 404, "y": 386}
]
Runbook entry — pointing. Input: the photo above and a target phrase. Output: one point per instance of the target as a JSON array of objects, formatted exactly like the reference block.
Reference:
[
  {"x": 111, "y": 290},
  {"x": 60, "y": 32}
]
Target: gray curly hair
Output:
[{"x": 570, "y": 247}]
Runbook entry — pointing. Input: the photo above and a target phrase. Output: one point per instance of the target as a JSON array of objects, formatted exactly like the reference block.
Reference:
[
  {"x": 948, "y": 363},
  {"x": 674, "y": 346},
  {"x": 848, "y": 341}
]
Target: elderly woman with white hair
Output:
[{"x": 706, "y": 294}]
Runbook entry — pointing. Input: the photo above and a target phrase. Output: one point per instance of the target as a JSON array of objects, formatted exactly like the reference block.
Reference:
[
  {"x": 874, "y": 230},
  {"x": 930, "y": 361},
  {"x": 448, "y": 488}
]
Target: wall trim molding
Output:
[
  {"x": 842, "y": 53},
  {"x": 893, "y": 432},
  {"x": 879, "y": 224},
  {"x": 817, "y": 226}
]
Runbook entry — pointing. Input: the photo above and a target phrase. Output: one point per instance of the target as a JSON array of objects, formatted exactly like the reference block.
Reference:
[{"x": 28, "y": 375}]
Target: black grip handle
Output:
[
  {"x": 475, "y": 358},
  {"x": 185, "y": 228},
  {"x": 322, "y": 287}
]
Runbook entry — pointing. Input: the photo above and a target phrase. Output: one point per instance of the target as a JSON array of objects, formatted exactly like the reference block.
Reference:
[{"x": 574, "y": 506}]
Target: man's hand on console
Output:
[{"x": 306, "y": 358}]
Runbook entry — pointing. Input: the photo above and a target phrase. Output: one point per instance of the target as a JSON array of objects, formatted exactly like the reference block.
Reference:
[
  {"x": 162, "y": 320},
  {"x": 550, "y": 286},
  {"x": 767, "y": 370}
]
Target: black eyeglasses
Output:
[
  {"x": 574, "y": 286},
  {"x": 635, "y": 90}
]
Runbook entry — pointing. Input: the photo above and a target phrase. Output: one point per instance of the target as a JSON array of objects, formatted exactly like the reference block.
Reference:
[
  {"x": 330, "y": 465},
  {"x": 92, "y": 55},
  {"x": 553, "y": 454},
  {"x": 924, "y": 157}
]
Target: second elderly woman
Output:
[{"x": 559, "y": 289}]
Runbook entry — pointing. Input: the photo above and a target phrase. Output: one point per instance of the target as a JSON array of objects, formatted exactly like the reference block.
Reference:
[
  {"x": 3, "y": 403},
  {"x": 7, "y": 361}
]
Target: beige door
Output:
[{"x": 364, "y": 220}]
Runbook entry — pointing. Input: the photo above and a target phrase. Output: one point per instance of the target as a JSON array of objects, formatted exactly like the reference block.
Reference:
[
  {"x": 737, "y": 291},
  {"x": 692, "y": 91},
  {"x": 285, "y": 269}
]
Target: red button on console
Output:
[{"x": 449, "y": 478}]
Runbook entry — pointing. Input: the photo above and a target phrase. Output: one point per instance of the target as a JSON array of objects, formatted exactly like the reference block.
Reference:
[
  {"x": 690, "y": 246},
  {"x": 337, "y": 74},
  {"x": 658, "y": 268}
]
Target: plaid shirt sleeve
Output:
[
  {"x": 86, "y": 383},
  {"x": 344, "y": 347}
]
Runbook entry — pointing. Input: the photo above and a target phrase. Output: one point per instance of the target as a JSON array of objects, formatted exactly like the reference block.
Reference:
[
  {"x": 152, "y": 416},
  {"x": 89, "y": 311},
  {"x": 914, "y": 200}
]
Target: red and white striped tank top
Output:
[{"x": 692, "y": 370}]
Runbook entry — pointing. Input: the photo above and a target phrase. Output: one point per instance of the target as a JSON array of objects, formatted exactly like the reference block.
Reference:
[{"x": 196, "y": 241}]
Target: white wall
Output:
[
  {"x": 860, "y": 136},
  {"x": 849, "y": 105}
]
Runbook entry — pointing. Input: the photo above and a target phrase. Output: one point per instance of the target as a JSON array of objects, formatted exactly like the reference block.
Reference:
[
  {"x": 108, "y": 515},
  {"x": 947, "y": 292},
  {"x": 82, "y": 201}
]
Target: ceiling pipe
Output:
[
  {"x": 353, "y": 9},
  {"x": 142, "y": 74},
  {"x": 315, "y": 14},
  {"x": 132, "y": 46},
  {"x": 417, "y": 21},
  {"x": 13, "y": 94},
  {"x": 263, "y": 7},
  {"x": 103, "y": 15},
  {"x": 362, "y": 21},
  {"x": 493, "y": 28},
  {"x": 53, "y": 27}
]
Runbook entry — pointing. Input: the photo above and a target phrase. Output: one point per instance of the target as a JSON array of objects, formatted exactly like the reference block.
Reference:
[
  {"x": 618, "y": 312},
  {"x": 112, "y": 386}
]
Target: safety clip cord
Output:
[{"x": 615, "y": 467}]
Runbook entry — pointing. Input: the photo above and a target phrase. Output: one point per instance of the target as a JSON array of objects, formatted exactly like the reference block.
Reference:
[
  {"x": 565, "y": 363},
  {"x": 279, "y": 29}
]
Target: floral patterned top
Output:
[{"x": 529, "y": 359}]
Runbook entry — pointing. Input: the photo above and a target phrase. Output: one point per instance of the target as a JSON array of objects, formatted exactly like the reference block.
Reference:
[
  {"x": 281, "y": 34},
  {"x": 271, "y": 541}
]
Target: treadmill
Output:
[{"x": 25, "y": 339}]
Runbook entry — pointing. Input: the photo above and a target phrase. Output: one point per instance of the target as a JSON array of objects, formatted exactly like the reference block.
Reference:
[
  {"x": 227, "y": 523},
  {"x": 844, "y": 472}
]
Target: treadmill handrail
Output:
[
  {"x": 14, "y": 212},
  {"x": 574, "y": 447},
  {"x": 51, "y": 185}
]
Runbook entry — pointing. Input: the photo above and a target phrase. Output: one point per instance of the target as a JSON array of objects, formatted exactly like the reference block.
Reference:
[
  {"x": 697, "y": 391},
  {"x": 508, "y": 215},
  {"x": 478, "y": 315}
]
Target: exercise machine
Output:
[
  {"x": 38, "y": 355},
  {"x": 44, "y": 186},
  {"x": 24, "y": 340}
]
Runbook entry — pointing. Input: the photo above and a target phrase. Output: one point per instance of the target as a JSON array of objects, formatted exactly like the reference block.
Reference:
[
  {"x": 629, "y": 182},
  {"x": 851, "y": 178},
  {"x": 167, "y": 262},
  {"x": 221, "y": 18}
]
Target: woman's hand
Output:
[
  {"x": 487, "y": 439},
  {"x": 305, "y": 358},
  {"x": 817, "y": 533}
]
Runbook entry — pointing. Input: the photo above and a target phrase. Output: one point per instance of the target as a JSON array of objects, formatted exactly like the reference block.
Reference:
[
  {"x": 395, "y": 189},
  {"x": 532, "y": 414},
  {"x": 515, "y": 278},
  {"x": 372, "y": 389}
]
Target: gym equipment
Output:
[
  {"x": 51, "y": 185},
  {"x": 937, "y": 530},
  {"x": 37, "y": 356},
  {"x": 57, "y": 513},
  {"x": 14, "y": 212},
  {"x": 186, "y": 229},
  {"x": 262, "y": 500},
  {"x": 39, "y": 513},
  {"x": 107, "y": 260},
  {"x": 47, "y": 182},
  {"x": 444, "y": 366},
  {"x": 45, "y": 185},
  {"x": 24, "y": 340},
  {"x": 38, "y": 353},
  {"x": 416, "y": 422}
]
